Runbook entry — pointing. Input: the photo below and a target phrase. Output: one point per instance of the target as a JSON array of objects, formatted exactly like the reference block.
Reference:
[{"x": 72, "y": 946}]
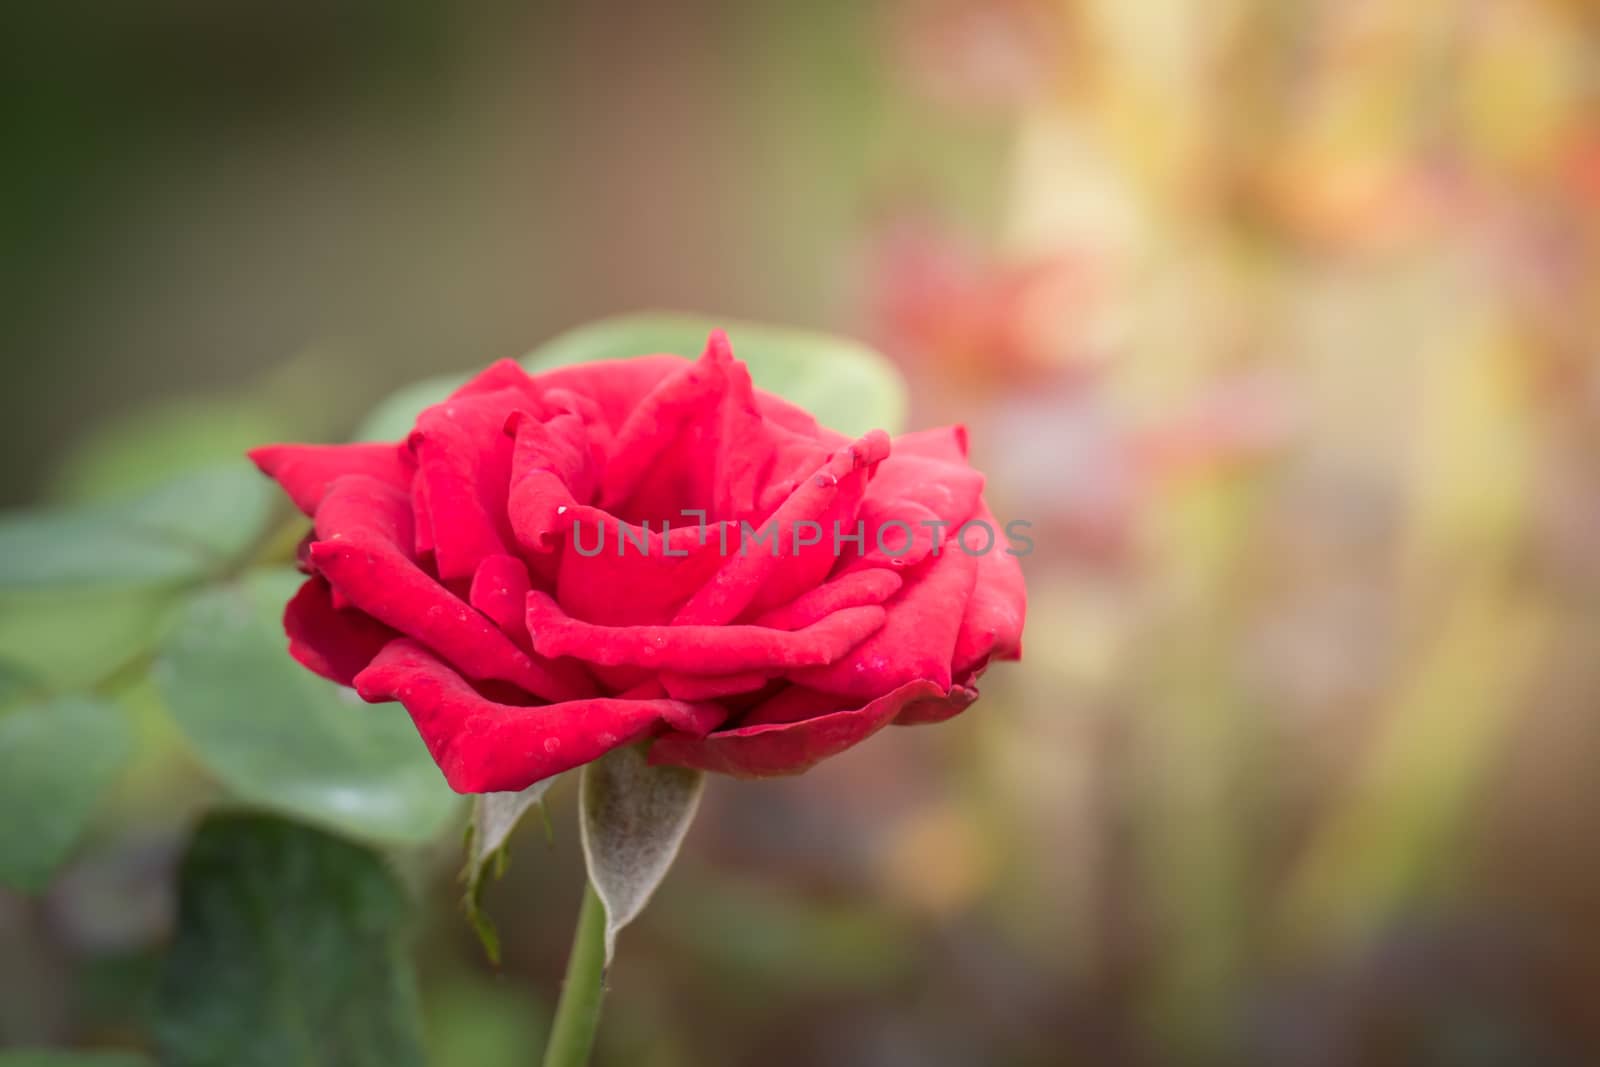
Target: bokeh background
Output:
[{"x": 1277, "y": 318}]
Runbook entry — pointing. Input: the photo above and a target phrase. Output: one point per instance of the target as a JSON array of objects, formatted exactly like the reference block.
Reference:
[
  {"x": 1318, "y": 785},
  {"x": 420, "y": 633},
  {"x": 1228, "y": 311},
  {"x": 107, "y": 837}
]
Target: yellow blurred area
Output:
[{"x": 1279, "y": 321}]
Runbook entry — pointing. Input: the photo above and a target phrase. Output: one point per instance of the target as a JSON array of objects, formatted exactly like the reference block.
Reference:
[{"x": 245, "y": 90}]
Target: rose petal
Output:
[
  {"x": 552, "y": 469},
  {"x": 937, "y": 709},
  {"x": 487, "y": 747},
  {"x": 604, "y": 576},
  {"x": 713, "y": 686},
  {"x": 498, "y": 377},
  {"x": 365, "y": 531},
  {"x": 337, "y": 644},
  {"x": 697, "y": 649},
  {"x": 649, "y": 462},
  {"x": 897, "y": 534},
  {"x": 421, "y": 516},
  {"x": 464, "y": 472},
  {"x": 918, "y": 639},
  {"x": 950, "y": 491},
  {"x": 307, "y": 471},
  {"x": 500, "y": 591},
  {"x": 821, "y": 729},
  {"x": 699, "y": 441},
  {"x": 992, "y": 624},
  {"x": 796, "y": 419},
  {"x": 616, "y": 387},
  {"x": 756, "y": 577},
  {"x": 945, "y": 443},
  {"x": 846, "y": 591}
]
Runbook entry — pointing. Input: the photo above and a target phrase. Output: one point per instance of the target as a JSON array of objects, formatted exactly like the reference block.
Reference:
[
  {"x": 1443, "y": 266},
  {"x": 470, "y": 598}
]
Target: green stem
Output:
[{"x": 578, "y": 1012}]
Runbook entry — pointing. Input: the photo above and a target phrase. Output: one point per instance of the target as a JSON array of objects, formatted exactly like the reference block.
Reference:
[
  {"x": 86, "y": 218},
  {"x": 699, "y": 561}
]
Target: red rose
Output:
[{"x": 457, "y": 572}]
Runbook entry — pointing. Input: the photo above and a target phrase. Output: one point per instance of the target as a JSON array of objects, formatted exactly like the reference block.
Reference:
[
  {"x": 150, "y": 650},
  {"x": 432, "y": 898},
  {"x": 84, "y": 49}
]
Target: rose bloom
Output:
[{"x": 456, "y": 573}]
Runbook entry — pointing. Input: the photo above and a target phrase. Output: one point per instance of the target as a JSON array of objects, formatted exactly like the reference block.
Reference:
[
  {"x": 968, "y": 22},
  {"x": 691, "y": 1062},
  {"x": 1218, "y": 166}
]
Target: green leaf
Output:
[
  {"x": 56, "y": 761},
  {"x": 216, "y": 513},
  {"x": 279, "y": 736},
  {"x": 73, "y": 637},
  {"x": 100, "y": 546},
  {"x": 288, "y": 953},
  {"x": 186, "y": 528},
  {"x": 633, "y": 819},
  {"x": 16, "y": 681},
  {"x": 51, "y": 1057},
  {"x": 494, "y": 816},
  {"x": 845, "y": 384},
  {"x": 84, "y": 591}
]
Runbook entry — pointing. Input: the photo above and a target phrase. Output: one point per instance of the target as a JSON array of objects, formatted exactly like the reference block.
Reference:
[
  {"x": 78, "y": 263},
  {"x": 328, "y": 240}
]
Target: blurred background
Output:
[{"x": 1277, "y": 318}]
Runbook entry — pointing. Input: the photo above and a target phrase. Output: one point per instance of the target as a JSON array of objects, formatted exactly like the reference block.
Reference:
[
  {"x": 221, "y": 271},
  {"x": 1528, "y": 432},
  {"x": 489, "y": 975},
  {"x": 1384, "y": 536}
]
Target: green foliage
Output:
[
  {"x": 72, "y": 638},
  {"x": 84, "y": 591},
  {"x": 15, "y": 683},
  {"x": 101, "y": 546},
  {"x": 281, "y": 737},
  {"x": 289, "y": 952},
  {"x": 185, "y": 528},
  {"x": 56, "y": 759},
  {"x": 50, "y": 1057}
]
